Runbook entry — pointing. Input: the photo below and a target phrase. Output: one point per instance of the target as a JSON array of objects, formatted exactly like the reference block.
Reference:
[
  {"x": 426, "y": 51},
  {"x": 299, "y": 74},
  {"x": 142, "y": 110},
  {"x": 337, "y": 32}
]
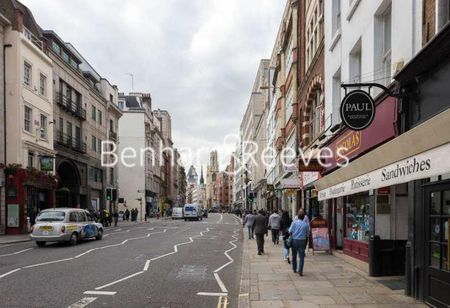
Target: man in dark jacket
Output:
[{"x": 260, "y": 226}]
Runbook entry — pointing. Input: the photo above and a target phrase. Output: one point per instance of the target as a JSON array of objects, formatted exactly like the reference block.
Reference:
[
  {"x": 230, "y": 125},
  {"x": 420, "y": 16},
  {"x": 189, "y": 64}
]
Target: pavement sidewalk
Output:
[
  {"x": 11, "y": 239},
  {"x": 329, "y": 281}
]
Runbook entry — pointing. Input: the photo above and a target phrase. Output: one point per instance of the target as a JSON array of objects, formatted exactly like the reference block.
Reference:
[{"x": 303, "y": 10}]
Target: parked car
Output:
[
  {"x": 193, "y": 212},
  {"x": 177, "y": 213},
  {"x": 65, "y": 225}
]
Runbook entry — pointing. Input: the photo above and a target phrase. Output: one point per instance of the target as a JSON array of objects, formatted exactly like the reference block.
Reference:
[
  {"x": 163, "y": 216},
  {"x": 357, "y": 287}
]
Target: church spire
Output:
[{"x": 202, "y": 181}]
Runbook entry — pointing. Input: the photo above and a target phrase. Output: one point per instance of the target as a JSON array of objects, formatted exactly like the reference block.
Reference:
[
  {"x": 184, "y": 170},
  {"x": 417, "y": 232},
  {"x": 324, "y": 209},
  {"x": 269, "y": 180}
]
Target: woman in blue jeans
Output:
[{"x": 299, "y": 232}]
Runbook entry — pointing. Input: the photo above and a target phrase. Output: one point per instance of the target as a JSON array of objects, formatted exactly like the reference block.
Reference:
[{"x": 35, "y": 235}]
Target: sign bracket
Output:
[{"x": 369, "y": 85}]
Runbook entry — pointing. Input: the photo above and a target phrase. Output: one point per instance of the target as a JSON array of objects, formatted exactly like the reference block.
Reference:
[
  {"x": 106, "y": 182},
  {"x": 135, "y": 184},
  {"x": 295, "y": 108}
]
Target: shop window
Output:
[
  {"x": 439, "y": 220},
  {"x": 357, "y": 222}
]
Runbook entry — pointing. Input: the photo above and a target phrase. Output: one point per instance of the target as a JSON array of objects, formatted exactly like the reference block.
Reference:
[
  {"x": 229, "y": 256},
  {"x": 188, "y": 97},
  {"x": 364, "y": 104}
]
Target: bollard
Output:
[{"x": 408, "y": 268}]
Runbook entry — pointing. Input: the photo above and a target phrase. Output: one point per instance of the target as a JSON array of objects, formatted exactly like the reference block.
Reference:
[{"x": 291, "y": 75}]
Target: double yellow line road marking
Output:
[{"x": 223, "y": 301}]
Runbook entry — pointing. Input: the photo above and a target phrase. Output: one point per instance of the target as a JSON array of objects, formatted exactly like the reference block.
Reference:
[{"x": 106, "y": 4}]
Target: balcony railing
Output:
[
  {"x": 70, "y": 142},
  {"x": 32, "y": 38},
  {"x": 70, "y": 106}
]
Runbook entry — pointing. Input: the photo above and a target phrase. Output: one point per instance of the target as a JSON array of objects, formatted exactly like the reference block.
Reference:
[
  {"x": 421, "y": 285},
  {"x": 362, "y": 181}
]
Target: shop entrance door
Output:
[{"x": 437, "y": 266}]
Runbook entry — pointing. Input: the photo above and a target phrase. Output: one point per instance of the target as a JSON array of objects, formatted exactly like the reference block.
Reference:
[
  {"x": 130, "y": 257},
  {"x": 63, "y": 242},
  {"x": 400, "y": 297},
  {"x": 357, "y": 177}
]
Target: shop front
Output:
[
  {"x": 351, "y": 214},
  {"x": 405, "y": 197},
  {"x": 425, "y": 110},
  {"x": 28, "y": 191}
]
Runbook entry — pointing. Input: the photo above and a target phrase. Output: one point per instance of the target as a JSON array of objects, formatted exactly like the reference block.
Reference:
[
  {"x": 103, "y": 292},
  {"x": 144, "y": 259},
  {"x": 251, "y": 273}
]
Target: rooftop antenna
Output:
[{"x": 132, "y": 81}]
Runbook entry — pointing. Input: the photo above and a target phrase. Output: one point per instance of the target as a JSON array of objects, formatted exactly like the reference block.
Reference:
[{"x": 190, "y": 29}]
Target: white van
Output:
[
  {"x": 193, "y": 212},
  {"x": 177, "y": 213}
]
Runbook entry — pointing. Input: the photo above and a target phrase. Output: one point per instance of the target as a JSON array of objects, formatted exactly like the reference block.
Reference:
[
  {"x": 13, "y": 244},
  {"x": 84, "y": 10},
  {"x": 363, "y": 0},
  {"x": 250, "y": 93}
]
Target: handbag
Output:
[{"x": 288, "y": 242}]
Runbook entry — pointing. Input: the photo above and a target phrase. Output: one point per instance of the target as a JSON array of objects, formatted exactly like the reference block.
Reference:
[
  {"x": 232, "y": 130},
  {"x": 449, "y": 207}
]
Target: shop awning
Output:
[{"x": 428, "y": 135}]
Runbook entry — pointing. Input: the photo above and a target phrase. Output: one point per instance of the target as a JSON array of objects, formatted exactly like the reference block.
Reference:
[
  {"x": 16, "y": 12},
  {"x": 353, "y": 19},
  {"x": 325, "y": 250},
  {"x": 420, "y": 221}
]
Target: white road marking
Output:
[
  {"x": 120, "y": 280},
  {"x": 83, "y": 302},
  {"x": 243, "y": 294},
  {"x": 99, "y": 292},
  {"x": 220, "y": 219},
  {"x": 14, "y": 244},
  {"x": 79, "y": 255},
  {"x": 220, "y": 283},
  {"x": 10, "y": 272},
  {"x": 211, "y": 294},
  {"x": 216, "y": 275},
  {"x": 46, "y": 263},
  {"x": 15, "y": 253},
  {"x": 147, "y": 263}
]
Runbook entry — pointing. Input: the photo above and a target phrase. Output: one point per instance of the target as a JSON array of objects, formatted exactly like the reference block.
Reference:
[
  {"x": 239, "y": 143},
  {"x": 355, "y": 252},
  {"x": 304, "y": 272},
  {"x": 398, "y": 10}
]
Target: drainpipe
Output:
[
  {"x": 4, "y": 98},
  {"x": 4, "y": 118}
]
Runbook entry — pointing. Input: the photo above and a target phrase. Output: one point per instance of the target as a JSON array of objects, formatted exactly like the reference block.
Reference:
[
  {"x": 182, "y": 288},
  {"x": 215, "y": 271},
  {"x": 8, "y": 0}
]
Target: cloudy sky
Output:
[{"x": 198, "y": 58}]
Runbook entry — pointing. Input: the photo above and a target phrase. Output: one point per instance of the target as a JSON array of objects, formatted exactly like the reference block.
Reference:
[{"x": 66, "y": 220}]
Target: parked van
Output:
[
  {"x": 193, "y": 212},
  {"x": 177, "y": 213}
]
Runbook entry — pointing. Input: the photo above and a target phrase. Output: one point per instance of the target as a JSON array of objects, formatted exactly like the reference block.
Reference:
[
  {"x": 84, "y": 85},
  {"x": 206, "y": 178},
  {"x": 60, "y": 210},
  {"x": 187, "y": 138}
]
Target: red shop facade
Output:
[
  {"x": 349, "y": 217},
  {"x": 28, "y": 191}
]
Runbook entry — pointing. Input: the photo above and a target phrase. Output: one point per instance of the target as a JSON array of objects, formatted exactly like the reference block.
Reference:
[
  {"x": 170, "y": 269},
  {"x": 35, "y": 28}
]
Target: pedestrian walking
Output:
[
  {"x": 127, "y": 214},
  {"x": 116, "y": 218},
  {"x": 299, "y": 231},
  {"x": 136, "y": 212},
  {"x": 274, "y": 225},
  {"x": 249, "y": 221},
  {"x": 285, "y": 223},
  {"x": 260, "y": 227}
]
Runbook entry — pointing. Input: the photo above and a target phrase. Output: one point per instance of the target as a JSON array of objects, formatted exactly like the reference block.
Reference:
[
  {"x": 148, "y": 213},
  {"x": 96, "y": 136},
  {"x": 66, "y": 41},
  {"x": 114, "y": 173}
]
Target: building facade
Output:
[{"x": 29, "y": 170}]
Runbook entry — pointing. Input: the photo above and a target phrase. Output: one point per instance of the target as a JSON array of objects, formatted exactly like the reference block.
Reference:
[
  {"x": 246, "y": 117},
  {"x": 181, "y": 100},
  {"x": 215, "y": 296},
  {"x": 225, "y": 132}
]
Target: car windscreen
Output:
[
  {"x": 189, "y": 208},
  {"x": 51, "y": 216}
]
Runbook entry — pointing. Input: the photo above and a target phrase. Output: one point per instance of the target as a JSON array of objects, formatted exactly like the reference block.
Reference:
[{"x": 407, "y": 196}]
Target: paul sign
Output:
[{"x": 357, "y": 110}]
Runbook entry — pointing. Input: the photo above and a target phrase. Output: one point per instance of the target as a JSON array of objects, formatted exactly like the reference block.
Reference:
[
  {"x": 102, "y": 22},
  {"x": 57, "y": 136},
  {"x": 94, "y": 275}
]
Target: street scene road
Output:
[{"x": 159, "y": 263}]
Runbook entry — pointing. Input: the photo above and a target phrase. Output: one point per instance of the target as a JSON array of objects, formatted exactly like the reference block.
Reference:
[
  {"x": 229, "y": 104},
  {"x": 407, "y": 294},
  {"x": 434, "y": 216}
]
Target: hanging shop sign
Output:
[
  {"x": 351, "y": 144},
  {"x": 424, "y": 165},
  {"x": 357, "y": 110},
  {"x": 307, "y": 178},
  {"x": 46, "y": 163}
]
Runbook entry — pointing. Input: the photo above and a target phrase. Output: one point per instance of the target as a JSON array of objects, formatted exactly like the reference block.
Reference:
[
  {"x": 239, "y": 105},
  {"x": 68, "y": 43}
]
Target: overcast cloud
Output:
[{"x": 198, "y": 58}]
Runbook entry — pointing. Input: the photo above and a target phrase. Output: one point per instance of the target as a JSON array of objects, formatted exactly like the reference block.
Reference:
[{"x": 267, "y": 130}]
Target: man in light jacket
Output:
[
  {"x": 249, "y": 220},
  {"x": 274, "y": 225}
]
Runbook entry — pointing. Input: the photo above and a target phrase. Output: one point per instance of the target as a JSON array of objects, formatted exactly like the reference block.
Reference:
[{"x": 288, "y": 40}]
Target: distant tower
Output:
[
  {"x": 192, "y": 176},
  {"x": 211, "y": 176},
  {"x": 202, "y": 180}
]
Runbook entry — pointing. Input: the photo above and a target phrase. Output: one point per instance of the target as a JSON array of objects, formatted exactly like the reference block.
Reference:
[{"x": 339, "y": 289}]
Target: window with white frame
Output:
[
  {"x": 387, "y": 37},
  {"x": 94, "y": 144},
  {"x": 27, "y": 73},
  {"x": 313, "y": 33},
  {"x": 336, "y": 17},
  {"x": 314, "y": 115},
  {"x": 288, "y": 104},
  {"x": 43, "y": 127},
  {"x": 28, "y": 117},
  {"x": 288, "y": 57},
  {"x": 43, "y": 84}
]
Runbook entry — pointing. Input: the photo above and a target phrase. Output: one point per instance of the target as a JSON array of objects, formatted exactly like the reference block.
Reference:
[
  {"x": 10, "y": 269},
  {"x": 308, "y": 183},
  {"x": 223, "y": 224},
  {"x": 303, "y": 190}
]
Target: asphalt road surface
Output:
[{"x": 161, "y": 263}]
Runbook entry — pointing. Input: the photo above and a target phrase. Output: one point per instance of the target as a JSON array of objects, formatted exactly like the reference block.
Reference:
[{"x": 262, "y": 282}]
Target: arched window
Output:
[{"x": 213, "y": 177}]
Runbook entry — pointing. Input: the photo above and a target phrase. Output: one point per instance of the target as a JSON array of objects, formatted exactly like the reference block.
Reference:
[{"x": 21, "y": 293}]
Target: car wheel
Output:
[
  {"x": 99, "y": 235},
  {"x": 40, "y": 243},
  {"x": 185, "y": 219},
  {"x": 73, "y": 239}
]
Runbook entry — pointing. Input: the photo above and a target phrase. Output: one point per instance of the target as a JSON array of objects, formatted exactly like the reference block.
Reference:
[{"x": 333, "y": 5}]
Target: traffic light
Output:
[
  {"x": 109, "y": 193},
  {"x": 114, "y": 194}
]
